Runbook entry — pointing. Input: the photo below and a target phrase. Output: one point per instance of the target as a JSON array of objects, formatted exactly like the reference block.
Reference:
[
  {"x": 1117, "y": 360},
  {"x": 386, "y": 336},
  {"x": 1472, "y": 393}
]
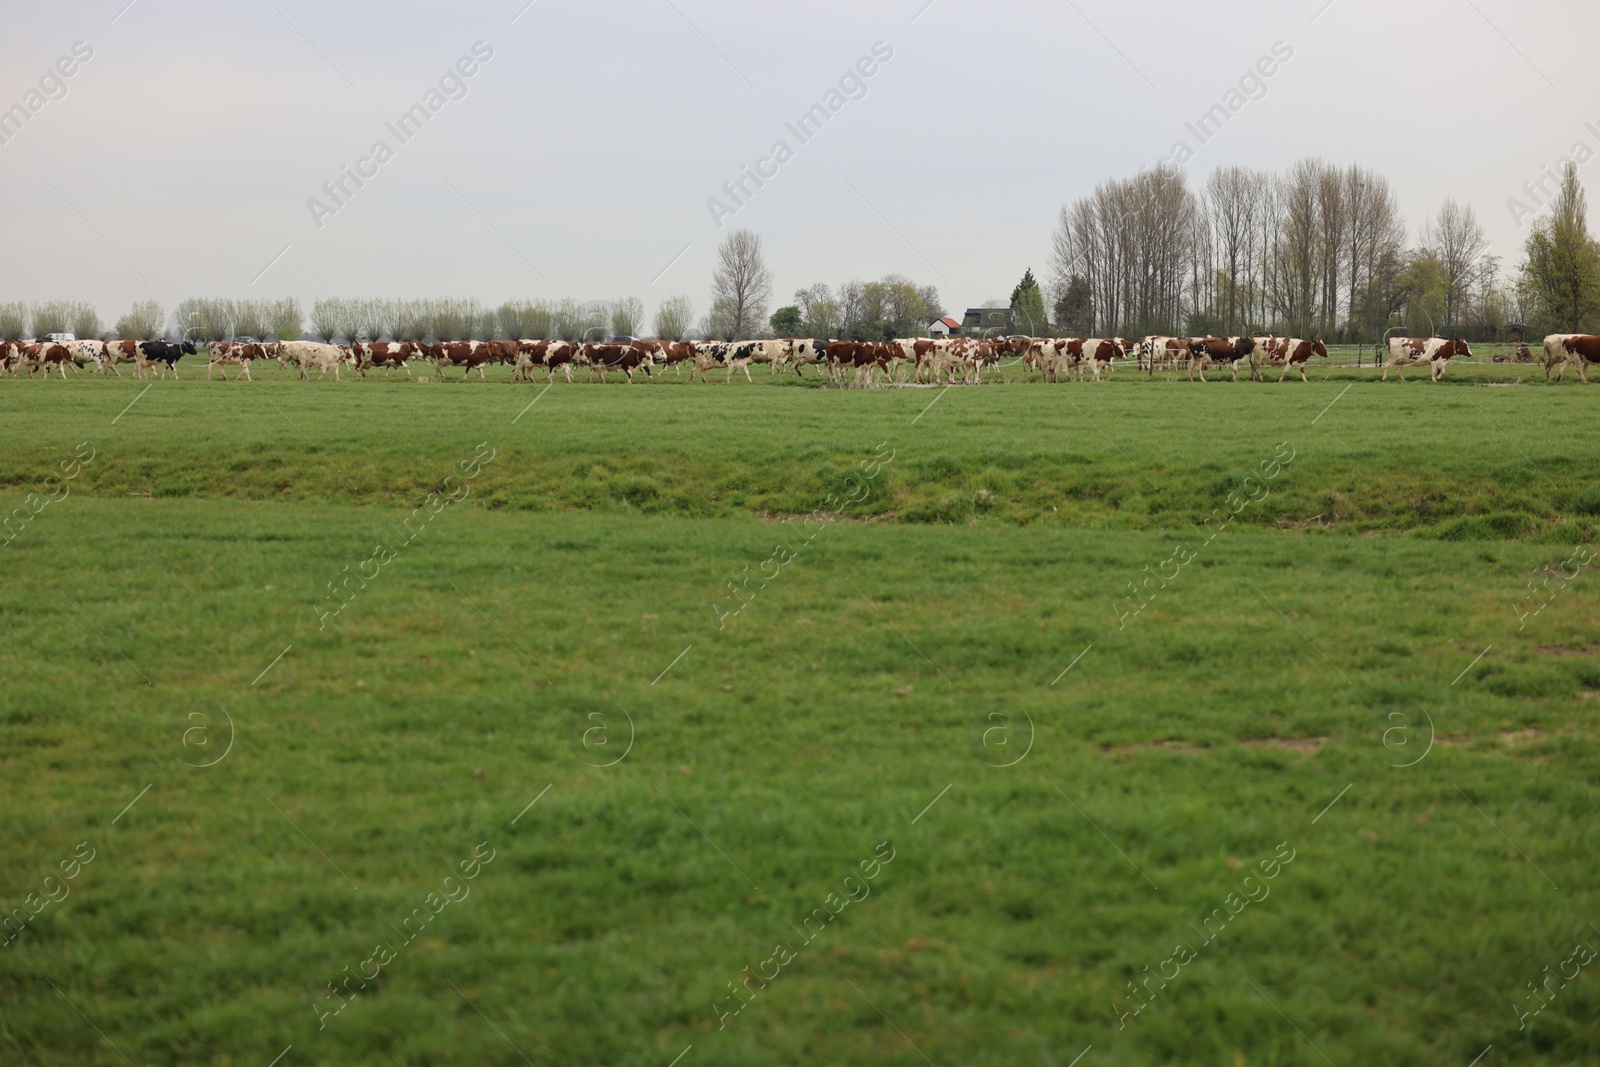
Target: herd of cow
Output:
[{"x": 923, "y": 359}]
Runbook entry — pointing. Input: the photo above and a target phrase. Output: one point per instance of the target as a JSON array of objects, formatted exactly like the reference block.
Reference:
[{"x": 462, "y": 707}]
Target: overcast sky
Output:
[{"x": 581, "y": 157}]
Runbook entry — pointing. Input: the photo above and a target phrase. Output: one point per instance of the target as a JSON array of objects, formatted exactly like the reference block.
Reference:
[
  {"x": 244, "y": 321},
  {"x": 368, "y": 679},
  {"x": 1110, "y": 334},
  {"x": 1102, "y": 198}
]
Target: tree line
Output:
[
  {"x": 1318, "y": 251},
  {"x": 741, "y": 292}
]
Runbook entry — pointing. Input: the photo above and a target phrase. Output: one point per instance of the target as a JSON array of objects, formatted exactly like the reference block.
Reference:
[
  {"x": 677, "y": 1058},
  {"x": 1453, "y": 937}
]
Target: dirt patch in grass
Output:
[
  {"x": 1562, "y": 651},
  {"x": 1287, "y": 744},
  {"x": 1515, "y": 737},
  {"x": 1183, "y": 748}
]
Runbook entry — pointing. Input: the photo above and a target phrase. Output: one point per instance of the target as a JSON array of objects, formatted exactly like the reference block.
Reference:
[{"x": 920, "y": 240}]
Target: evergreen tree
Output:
[{"x": 1027, "y": 306}]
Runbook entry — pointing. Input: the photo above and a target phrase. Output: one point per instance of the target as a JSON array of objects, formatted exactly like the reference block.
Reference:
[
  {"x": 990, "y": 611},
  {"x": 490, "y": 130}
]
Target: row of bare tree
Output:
[
  {"x": 202, "y": 319},
  {"x": 459, "y": 320},
  {"x": 20, "y": 320},
  {"x": 1317, "y": 251}
]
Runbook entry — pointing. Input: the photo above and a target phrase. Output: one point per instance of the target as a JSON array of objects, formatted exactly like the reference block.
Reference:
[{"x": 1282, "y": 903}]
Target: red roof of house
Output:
[{"x": 952, "y": 323}]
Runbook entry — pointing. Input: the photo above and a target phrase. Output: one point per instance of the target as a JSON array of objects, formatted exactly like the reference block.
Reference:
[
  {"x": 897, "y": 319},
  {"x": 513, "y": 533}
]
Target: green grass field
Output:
[{"x": 1204, "y": 789}]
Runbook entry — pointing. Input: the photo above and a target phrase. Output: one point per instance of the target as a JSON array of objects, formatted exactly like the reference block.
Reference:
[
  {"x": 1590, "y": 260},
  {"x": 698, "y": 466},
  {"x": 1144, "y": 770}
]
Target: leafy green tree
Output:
[
  {"x": 1426, "y": 285},
  {"x": 786, "y": 322},
  {"x": 1563, "y": 267},
  {"x": 1027, "y": 305}
]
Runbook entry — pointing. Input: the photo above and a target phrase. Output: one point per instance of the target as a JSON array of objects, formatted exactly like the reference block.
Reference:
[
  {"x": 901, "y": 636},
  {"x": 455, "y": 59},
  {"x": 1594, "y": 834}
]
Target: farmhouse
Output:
[{"x": 990, "y": 319}]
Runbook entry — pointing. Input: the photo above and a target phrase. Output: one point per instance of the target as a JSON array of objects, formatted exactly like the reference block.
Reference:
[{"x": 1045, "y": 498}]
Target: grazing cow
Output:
[
  {"x": 307, "y": 354},
  {"x": 464, "y": 354},
  {"x": 10, "y": 356},
  {"x": 860, "y": 356},
  {"x": 871, "y": 356},
  {"x": 1555, "y": 353},
  {"x": 89, "y": 352},
  {"x": 1096, "y": 353},
  {"x": 502, "y": 352},
  {"x": 385, "y": 354},
  {"x": 1167, "y": 352},
  {"x": 910, "y": 350},
  {"x": 122, "y": 352},
  {"x": 1582, "y": 350},
  {"x": 1435, "y": 351},
  {"x": 807, "y": 352},
  {"x": 733, "y": 355},
  {"x": 1050, "y": 356},
  {"x": 166, "y": 353},
  {"x": 246, "y": 354},
  {"x": 46, "y": 354},
  {"x": 966, "y": 354},
  {"x": 1206, "y": 351},
  {"x": 675, "y": 353},
  {"x": 219, "y": 353},
  {"x": 546, "y": 354},
  {"x": 773, "y": 353},
  {"x": 623, "y": 357},
  {"x": 1290, "y": 353}
]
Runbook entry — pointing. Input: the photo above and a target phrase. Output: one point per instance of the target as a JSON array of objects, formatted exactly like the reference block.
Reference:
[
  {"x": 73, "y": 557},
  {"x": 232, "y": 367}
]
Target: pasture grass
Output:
[
  {"x": 1452, "y": 461},
  {"x": 864, "y": 695}
]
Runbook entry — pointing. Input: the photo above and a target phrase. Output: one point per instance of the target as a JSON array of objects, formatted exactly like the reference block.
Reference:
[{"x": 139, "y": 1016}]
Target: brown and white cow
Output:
[
  {"x": 616, "y": 356},
  {"x": 1435, "y": 351},
  {"x": 1555, "y": 354},
  {"x": 1049, "y": 356},
  {"x": 220, "y": 353},
  {"x": 1095, "y": 354},
  {"x": 468, "y": 355},
  {"x": 1582, "y": 350},
  {"x": 912, "y": 351},
  {"x": 305, "y": 355},
  {"x": 121, "y": 352},
  {"x": 547, "y": 354},
  {"x": 868, "y": 357},
  {"x": 385, "y": 354},
  {"x": 969, "y": 355},
  {"x": 1167, "y": 352},
  {"x": 46, "y": 354},
  {"x": 675, "y": 353},
  {"x": 1290, "y": 353},
  {"x": 1232, "y": 352}
]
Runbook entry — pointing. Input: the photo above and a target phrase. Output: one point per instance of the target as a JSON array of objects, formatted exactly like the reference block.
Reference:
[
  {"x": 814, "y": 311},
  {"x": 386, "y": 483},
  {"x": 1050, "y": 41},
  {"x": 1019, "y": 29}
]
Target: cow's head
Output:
[
  {"x": 1458, "y": 347},
  {"x": 1319, "y": 349}
]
